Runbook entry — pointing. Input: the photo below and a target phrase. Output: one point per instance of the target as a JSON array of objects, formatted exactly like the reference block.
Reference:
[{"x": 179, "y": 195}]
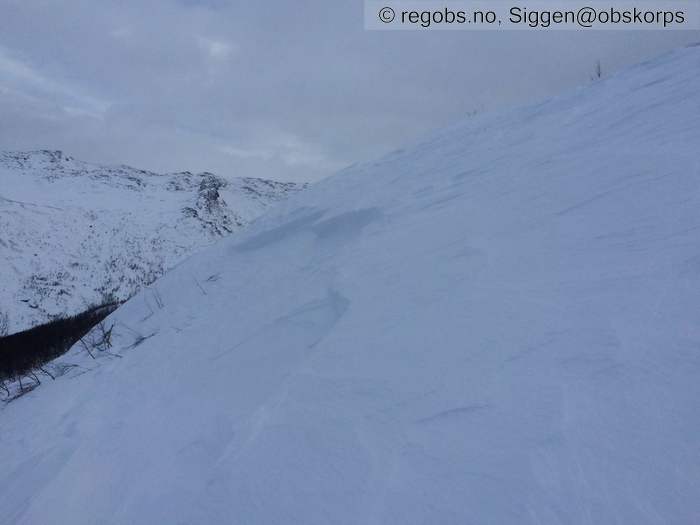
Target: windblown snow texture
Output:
[{"x": 498, "y": 325}]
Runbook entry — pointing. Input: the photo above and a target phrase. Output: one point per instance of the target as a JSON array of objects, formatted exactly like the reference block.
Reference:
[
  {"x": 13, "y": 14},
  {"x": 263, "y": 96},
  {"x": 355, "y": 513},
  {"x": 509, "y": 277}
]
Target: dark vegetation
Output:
[{"x": 25, "y": 354}]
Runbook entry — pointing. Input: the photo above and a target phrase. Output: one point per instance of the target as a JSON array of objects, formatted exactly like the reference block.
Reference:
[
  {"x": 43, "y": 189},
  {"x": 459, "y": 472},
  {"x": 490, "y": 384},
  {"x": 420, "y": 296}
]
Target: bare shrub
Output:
[{"x": 99, "y": 338}]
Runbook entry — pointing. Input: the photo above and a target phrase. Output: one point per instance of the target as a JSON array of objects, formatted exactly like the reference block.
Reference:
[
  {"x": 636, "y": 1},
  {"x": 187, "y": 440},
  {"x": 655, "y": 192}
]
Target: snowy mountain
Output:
[
  {"x": 499, "y": 325},
  {"x": 73, "y": 233}
]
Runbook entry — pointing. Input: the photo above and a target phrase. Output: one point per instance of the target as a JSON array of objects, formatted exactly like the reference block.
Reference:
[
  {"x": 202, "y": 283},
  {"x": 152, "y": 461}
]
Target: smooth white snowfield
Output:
[{"x": 500, "y": 325}]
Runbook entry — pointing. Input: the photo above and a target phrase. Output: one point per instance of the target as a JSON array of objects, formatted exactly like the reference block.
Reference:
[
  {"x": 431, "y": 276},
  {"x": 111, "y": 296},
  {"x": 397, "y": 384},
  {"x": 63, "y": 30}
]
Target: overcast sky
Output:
[{"x": 292, "y": 90}]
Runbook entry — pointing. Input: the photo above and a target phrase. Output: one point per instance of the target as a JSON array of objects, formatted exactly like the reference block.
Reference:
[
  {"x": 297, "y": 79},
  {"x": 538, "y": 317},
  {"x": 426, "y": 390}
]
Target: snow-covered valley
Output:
[
  {"x": 497, "y": 325},
  {"x": 74, "y": 234}
]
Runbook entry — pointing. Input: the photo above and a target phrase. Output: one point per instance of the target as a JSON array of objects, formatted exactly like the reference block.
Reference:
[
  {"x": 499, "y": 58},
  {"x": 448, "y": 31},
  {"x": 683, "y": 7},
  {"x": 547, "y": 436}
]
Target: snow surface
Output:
[
  {"x": 500, "y": 325},
  {"x": 74, "y": 233}
]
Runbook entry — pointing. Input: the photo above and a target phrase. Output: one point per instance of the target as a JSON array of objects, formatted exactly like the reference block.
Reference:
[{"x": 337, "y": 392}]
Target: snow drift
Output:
[{"x": 498, "y": 325}]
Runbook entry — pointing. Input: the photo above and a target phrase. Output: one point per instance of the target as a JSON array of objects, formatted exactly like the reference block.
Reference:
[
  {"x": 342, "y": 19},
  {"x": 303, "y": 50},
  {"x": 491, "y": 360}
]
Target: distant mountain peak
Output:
[{"x": 73, "y": 231}]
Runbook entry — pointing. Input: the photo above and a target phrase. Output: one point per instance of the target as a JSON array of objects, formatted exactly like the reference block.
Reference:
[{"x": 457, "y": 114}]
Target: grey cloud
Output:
[{"x": 278, "y": 89}]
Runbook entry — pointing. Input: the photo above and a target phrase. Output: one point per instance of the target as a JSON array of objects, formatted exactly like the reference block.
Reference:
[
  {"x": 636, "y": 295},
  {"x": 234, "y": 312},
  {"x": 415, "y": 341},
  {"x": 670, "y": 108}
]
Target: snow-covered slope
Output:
[
  {"x": 73, "y": 233},
  {"x": 498, "y": 325}
]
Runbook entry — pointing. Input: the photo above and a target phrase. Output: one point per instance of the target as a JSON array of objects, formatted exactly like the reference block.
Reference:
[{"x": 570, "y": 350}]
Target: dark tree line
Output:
[{"x": 25, "y": 353}]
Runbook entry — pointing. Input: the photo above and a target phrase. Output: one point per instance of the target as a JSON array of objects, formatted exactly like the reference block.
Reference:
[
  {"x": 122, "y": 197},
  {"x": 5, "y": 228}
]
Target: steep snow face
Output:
[
  {"x": 72, "y": 233},
  {"x": 498, "y": 325}
]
